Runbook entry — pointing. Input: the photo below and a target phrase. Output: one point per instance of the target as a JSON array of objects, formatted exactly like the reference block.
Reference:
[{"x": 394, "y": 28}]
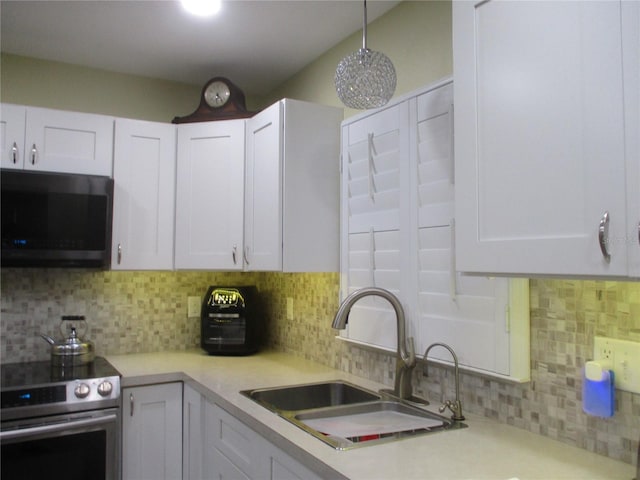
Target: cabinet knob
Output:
[
  {"x": 603, "y": 236},
  {"x": 119, "y": 253}
]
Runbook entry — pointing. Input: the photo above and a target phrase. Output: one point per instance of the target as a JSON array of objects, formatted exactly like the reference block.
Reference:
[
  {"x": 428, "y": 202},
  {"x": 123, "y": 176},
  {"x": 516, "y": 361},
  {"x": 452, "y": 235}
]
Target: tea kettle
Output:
[{"x": 72, "y": 351}]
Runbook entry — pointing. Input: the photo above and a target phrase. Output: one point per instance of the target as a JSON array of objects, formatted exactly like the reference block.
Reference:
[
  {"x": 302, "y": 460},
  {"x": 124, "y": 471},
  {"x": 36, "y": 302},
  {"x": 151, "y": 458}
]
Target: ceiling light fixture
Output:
[
  {"x": 366, "y": 78},
  {"x": 202, "y": 8}
]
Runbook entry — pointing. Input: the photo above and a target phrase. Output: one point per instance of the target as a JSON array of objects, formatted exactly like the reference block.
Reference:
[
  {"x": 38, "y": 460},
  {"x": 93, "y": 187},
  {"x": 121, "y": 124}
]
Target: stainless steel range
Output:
[{"x": 60, "y": 422}]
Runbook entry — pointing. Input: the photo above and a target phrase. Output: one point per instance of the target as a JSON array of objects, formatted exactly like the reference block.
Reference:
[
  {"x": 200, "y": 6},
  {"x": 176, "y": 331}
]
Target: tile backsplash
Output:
[{"x": 147, "y": 311}]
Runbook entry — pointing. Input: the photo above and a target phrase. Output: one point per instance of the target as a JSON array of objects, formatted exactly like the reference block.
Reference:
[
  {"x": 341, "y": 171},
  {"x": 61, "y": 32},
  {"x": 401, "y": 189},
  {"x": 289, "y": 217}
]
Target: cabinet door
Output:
[
  {"x": 12, "y": 123},
  {"x": 631, "y": 51},
  {"x": 311, "y": 187},
  {"x": 539, "y": 137},
  {"x": 144, "y": 196},
  {"x": 193, "y": 434},
  {"x": 59, "y": 141},
  {"x": 210, "y": 195},
  {"x": 263, "y": 191},
  {"x": 152, "y": 432},
  {"x": 228, "y": 438}
]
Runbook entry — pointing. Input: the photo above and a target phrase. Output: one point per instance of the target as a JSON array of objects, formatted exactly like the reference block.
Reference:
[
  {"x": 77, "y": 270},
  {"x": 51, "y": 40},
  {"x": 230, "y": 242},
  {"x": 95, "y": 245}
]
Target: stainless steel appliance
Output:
[
  {"x": 56, "y": 219},
  {"x": 60, "y": 422},
  {"x": 231, "y": 320}
]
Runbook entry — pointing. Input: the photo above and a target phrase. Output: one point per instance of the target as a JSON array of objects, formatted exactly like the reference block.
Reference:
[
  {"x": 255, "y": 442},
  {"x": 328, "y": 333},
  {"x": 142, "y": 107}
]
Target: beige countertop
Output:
[{"x": 485, "y": 450}]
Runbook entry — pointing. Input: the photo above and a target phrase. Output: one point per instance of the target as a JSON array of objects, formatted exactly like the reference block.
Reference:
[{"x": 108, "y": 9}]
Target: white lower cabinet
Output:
[
  {"x": 235, "y": 451},
  {"x": 152, "y": 432},
  {"x": 171, "y": 431},
  {"x": 192, "y": 434}
]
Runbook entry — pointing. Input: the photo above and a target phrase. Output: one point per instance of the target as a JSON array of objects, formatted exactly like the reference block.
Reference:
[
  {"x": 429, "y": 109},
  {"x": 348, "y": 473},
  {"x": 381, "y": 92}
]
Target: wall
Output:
[
  {"x": 146, "y": 311},
  {"x": 81, "y": 89},
  {"x": 416, "y": 36}
]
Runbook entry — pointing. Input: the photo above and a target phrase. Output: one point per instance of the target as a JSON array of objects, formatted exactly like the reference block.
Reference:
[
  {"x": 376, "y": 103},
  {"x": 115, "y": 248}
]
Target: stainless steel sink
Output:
[
  {"x": 310, "y": 396},
  {"x": 346, "y": 416},
  {"x": 371, "y": 423}
]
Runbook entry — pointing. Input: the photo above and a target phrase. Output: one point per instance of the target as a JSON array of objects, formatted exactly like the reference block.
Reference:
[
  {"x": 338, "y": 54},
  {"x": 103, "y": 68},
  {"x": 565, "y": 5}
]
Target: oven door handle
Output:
[{"x": 57, "y": 427}]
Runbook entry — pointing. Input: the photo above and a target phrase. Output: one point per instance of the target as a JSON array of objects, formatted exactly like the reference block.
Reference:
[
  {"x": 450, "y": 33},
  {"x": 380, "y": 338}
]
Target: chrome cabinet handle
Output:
[
  {"x": 34, "y": 154},
  {"x": 14, "y": 153},
  {"x": 131, "y": 403},
  {"x": 246, "y": 255},
  {"x": 119, "y": 254},
  {"x": 603, "y": 236},
  {"x": 234, "y": 253}
]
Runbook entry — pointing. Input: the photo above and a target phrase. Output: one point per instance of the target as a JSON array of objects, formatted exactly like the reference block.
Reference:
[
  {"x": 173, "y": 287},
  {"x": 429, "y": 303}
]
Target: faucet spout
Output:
[
  {"x": 405, "y": 355},
  {"x": 455, "y": 406}
]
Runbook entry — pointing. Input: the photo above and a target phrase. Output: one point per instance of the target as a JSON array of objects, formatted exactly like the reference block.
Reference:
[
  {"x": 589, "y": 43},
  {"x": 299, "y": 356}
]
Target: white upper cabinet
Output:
[
  {"x": 210, "y": 196},
  {"x": 56, "y": 140},
  {"x": 541, "y": 162},
  {"x": 12, "y": 124},
  {"x": 292, "y": 188},
  {"x": 144, "y": 175},
  {"x": 631, "y": 60},
  {"x": 263, "y": 186}
]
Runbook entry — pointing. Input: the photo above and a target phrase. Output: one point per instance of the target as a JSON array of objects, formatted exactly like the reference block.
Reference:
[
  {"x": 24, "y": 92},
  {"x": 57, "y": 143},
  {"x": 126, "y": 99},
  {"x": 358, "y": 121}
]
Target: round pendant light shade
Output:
[{"x": 366, "y": 78}]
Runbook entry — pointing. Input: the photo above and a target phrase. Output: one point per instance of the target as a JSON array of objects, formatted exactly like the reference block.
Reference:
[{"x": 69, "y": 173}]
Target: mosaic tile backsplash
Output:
[{"x": 147, "y": 311}]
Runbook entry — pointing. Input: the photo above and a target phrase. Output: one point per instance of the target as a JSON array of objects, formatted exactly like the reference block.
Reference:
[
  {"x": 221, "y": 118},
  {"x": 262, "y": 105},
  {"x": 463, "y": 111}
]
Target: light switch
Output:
[{"x": 625, "y": 357}]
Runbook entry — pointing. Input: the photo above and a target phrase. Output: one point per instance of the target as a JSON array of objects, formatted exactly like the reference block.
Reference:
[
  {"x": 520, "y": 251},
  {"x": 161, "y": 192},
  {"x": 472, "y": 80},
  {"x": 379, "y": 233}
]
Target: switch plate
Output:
[
  {"x": 193, "y": 306},
  {"x": 289, "y": 308},
  {"x": 625, "y": 357}
]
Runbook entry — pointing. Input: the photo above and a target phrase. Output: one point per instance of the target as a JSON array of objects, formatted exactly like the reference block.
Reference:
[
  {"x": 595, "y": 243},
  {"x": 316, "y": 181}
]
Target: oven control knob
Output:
[
  {"x": 82, "y": 390},
  {"x": 105, "y": 388}
]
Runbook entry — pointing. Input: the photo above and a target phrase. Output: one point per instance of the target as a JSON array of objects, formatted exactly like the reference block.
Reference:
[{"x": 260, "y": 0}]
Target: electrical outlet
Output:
[
  {"x": 625, "y": 358},
  {"x": 193, "y": 307}
]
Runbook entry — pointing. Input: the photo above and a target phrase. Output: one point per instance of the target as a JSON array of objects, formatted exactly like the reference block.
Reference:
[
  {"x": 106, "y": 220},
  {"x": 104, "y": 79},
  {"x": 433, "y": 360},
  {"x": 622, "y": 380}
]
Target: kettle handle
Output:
[{"x": 76, "y": 319}]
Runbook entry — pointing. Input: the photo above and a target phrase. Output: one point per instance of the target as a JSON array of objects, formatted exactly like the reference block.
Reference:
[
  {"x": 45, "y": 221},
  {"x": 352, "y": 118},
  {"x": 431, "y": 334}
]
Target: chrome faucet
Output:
[
  {"x": 456, "y": 406},
  {"x": 405, "y": 355}
]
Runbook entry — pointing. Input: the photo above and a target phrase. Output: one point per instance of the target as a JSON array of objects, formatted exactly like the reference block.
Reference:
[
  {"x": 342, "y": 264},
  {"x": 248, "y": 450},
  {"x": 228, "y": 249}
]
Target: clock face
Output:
[{"x": 217, "y": 94}]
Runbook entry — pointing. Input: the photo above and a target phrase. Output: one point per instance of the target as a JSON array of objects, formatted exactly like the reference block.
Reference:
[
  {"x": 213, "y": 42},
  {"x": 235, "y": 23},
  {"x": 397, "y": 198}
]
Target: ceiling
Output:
[{"x": 256, "y": 43}]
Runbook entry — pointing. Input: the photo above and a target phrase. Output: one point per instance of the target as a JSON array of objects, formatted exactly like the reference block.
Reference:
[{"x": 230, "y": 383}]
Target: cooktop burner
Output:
[{"x": 29, "y": 374}]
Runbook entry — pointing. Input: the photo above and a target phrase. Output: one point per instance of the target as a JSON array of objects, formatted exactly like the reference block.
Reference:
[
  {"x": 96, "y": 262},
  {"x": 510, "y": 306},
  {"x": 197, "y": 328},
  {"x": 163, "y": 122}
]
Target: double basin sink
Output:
[{"x": 346, "y": 416}]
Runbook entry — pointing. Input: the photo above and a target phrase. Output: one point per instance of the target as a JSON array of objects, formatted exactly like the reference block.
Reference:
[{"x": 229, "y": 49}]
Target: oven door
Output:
[{"x": 72, "y": 446}]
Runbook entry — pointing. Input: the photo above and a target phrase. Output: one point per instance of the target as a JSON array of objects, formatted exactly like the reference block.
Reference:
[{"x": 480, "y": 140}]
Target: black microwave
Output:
[{"x": 55, "y": 219}]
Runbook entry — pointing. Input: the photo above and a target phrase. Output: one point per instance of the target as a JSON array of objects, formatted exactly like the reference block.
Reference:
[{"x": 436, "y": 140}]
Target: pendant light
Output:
[{"x": 366, "y": 78}]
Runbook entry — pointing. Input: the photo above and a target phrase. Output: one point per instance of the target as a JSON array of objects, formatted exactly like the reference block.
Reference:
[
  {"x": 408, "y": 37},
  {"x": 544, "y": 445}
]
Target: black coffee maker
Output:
[{"x": 231, "y": 322}]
